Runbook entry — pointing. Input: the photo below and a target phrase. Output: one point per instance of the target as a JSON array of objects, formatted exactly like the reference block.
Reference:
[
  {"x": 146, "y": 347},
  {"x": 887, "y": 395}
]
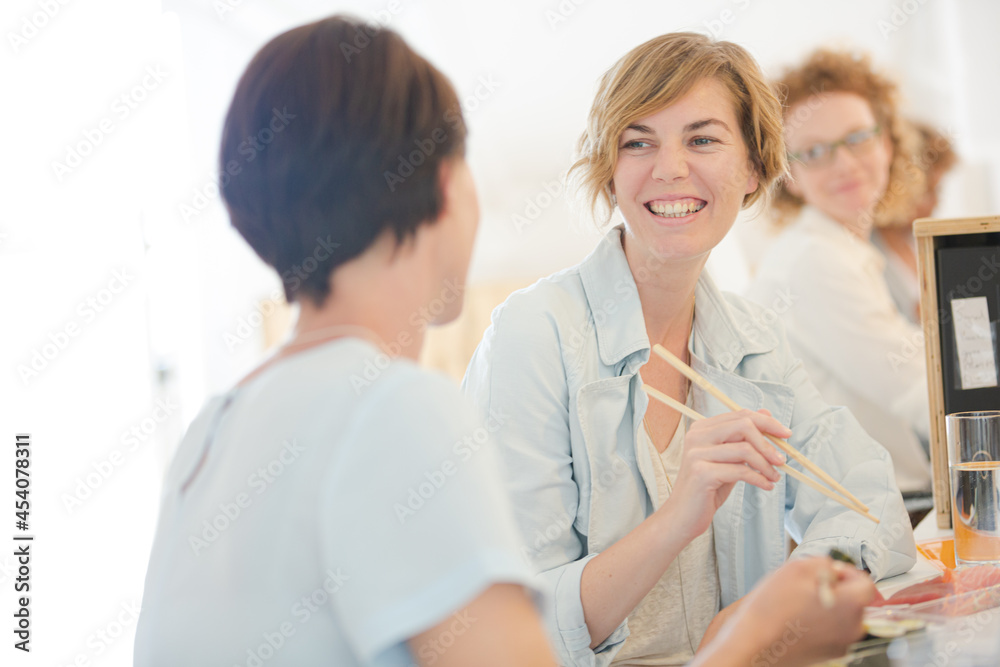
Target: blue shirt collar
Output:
[{"x": 723, "y": 335}]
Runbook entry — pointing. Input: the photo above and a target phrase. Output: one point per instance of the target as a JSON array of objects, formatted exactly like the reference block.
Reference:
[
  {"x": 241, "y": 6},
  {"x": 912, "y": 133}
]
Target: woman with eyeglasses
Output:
[{"x": 852, "y": 168}]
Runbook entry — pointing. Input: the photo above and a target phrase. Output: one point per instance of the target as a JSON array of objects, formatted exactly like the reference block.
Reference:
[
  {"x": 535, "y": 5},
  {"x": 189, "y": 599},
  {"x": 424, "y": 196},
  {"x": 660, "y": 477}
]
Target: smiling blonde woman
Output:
[{"x": 641, "y": 527}]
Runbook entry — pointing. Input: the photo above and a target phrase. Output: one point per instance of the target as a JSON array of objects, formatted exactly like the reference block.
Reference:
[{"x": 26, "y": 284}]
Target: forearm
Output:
[
  {"x": 500, "y": 627},
  {"x": 718, "y": 623},
  {"x": 732, "y": 649},
  {"x": 617, "y": 579}
]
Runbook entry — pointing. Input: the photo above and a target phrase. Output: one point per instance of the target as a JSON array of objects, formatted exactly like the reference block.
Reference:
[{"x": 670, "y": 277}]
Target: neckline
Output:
[{"x": 275, "y": 362}]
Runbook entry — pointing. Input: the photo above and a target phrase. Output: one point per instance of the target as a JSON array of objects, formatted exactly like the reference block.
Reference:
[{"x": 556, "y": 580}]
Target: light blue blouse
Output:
[
  {"x": 561, "y": 361},
  {"x": 345, "y": 503}
]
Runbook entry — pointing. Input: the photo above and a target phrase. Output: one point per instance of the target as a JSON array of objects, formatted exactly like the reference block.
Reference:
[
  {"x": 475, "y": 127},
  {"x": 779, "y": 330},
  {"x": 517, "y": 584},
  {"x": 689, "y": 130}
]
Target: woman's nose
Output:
[
  {"x": 843, "y": 159},
  {"x": 670, "y": 164}
]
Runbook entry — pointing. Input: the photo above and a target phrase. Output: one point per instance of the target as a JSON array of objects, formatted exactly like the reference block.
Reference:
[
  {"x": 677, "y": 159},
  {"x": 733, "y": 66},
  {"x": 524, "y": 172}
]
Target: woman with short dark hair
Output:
[{"x": 321, "y": 512}]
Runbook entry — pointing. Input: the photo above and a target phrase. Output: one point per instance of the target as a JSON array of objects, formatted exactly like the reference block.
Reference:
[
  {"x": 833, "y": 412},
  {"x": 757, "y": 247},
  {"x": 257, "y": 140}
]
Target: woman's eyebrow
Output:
[
  {"x": 698, "y": 124},
  {"x": 641, "y": 129},
  {"x": 690, "y": 127}
]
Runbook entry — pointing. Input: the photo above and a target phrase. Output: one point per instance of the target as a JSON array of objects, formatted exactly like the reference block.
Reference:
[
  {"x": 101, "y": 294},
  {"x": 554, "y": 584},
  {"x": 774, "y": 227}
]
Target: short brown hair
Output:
[
  {"x": 830, "y": 71},
  {"x": 658, "y": 73},
  {"x": 335, "y": 135}
]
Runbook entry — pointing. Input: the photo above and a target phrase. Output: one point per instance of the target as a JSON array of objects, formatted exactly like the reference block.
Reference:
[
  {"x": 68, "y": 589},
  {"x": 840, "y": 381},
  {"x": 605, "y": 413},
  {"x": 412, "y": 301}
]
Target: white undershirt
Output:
[{"x": 668, "y": 624}]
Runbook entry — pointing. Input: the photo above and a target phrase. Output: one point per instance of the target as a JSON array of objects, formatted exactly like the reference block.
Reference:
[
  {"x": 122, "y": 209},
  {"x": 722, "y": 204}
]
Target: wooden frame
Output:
[{"x": 928, "y": 233}]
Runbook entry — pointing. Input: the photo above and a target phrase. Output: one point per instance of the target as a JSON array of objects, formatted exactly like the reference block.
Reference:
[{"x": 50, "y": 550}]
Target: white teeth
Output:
[{"x": 677, "y": 209}]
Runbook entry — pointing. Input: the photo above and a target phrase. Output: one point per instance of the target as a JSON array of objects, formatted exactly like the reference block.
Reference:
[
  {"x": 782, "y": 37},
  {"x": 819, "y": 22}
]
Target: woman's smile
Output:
[{"x": 676, "y": 209}]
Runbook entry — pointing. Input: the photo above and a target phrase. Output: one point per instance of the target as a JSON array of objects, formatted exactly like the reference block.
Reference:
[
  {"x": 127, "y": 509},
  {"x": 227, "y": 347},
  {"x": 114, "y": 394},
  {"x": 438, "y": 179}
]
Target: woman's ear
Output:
[
  {"x": 446, "y": 177},
  {"x": 753, "y": 182}
]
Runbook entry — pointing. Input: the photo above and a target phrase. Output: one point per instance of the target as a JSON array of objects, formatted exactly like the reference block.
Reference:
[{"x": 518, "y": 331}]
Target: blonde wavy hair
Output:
[
  {"x": 656, "y": 74},
  {"x": 829, "y": 71}
]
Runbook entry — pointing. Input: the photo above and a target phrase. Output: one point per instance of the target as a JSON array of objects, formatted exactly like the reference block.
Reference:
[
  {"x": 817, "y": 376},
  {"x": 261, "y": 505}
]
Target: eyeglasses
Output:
[{"x": 821, "y": 155}]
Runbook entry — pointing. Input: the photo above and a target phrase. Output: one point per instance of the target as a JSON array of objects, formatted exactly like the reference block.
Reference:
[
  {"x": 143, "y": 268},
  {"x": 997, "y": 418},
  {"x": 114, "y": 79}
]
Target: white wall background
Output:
[{"x": 80, "y": 375}]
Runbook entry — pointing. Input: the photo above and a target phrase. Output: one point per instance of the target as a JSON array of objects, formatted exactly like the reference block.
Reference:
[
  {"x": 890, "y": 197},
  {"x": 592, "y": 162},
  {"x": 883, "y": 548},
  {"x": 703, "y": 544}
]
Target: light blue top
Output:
[
  {"x": 345, "y": 503},
  {"x": 561, "y": 362}
]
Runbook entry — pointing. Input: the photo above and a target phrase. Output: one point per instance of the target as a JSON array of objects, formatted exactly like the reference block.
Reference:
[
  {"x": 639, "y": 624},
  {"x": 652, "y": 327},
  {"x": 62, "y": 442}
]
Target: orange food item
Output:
[{"x": 941, "y": 553}]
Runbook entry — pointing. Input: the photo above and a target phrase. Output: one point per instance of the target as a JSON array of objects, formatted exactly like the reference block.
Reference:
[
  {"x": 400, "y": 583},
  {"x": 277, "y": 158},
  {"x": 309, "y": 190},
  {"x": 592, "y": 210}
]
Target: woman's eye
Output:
[
  {"x": 703, "y": 141},
  {"x": 814, "y": 153},
  {"x": 635, "y": 143}
]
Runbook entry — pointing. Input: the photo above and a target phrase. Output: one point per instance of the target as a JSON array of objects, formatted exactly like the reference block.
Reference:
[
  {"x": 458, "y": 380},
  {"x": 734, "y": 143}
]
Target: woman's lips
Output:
[{"x": 849, "y": 186}]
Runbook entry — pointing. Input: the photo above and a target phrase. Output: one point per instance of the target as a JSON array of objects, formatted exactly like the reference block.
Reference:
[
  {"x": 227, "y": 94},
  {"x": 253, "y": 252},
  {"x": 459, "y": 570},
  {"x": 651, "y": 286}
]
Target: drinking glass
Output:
[{"x": 974, "y": 463}]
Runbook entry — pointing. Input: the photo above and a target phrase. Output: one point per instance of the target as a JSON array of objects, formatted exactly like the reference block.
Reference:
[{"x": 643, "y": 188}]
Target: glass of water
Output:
[{"x": 974, "y": 463}]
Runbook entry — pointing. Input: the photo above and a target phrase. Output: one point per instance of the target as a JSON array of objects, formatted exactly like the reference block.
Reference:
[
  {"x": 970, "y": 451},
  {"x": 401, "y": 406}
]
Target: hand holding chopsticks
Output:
[{"x": 837, "y": 493}]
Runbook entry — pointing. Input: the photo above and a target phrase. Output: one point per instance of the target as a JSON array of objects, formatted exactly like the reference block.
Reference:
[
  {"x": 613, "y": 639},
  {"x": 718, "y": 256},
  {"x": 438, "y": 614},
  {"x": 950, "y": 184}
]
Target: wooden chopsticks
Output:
[{"x": 838, "y": 492}]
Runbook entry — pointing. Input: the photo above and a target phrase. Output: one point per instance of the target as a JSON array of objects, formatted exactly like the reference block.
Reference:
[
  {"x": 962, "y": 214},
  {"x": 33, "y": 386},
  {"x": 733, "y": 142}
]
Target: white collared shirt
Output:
[{"x": 858, "y": 349}]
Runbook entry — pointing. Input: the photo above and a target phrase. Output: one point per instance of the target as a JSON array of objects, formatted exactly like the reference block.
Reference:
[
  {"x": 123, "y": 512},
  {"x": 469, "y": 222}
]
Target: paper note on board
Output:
[{"x": 974, "y": 342}]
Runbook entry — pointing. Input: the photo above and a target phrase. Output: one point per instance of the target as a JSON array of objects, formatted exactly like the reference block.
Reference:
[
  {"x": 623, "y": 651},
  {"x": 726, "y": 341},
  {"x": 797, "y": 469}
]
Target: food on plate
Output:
[
  {"x": 949, "y": 584},
  {"x": 888, "y": 628}
]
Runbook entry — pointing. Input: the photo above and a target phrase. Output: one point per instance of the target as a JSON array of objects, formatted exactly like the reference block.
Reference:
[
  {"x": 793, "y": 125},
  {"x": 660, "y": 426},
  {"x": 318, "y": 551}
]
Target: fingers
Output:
[
  {"x": 856, "y": 586},
  {"x": 762, "y": 419},
  {"x": 708, "y": 474},
  {"x": 852, "y": 588},
  {"x": 737, "y": 452},
  {"x": 742, "y": 426}
]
